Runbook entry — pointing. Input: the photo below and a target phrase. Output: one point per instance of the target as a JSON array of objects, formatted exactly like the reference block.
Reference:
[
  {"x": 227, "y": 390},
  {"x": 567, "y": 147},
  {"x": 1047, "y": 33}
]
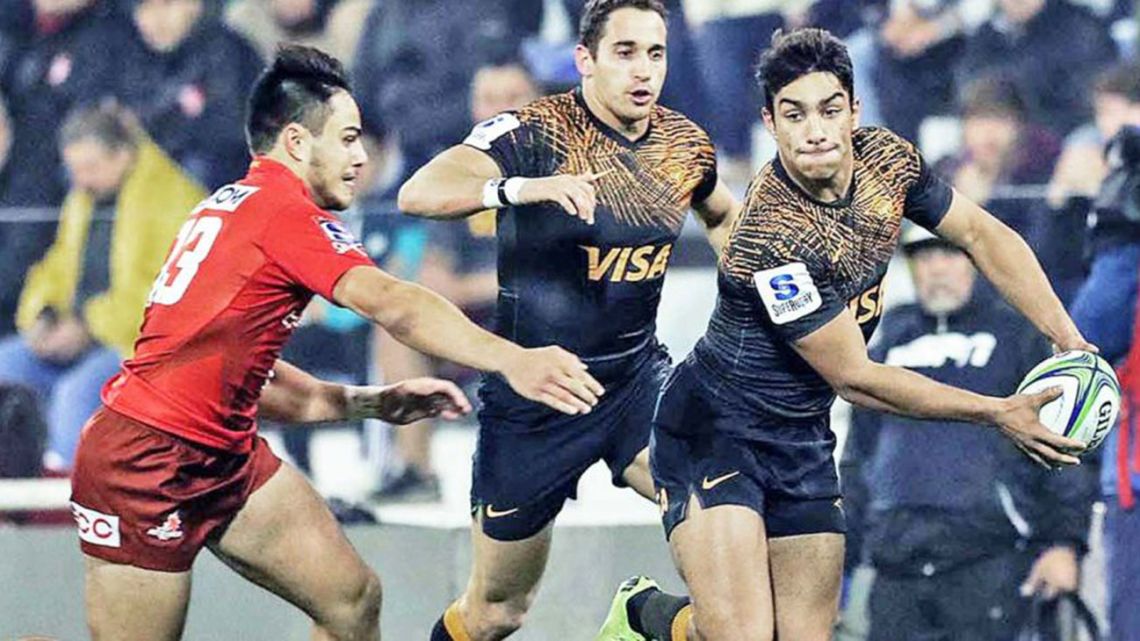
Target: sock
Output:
[
  {"x": 449, "y": 627},
  {"x": 660, "y": 616}
]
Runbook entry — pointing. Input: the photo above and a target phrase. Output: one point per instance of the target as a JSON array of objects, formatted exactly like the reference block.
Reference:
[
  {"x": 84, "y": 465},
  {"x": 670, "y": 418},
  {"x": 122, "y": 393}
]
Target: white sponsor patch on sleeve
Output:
[
  {"x": 788, "y": 292},
  {"x": 343, "y": 241},
  {"x": 491, "y": 130},
  {"x": 95, "y": 527}
]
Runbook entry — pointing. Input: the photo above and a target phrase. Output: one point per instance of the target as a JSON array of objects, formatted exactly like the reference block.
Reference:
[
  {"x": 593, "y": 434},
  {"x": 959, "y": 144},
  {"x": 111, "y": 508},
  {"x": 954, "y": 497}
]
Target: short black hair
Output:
[
  {"x": 295, "y": 88},
  {"x": 798, "y": 53},
  {"x": 596, "y": 14},
  {"x": 108, "y": 123}
]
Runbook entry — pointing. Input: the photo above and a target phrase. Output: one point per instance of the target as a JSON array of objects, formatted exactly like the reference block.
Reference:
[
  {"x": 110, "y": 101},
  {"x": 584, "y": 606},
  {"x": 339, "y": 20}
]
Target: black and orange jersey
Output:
[
  {"x": 592, "y": 289},
  {"x": 793, "y": 263}
]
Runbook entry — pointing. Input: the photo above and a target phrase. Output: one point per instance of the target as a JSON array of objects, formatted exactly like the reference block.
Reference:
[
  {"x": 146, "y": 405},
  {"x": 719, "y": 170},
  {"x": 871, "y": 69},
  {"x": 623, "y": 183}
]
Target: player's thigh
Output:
[
  {"x": 507, "y": 572},
  {"x": 806, "y": 574},
  {"x": 286, "y": 540},
  {"x": 126, "y": 603},
  {"x": 722, "y": 554}
]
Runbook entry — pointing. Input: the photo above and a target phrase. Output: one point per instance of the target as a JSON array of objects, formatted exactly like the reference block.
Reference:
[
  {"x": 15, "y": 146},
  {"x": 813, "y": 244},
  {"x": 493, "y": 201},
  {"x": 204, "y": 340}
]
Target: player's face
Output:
[
  {"x": 95, "y": 168},
  {"x": 943, "y": 279},
  {"x": 628, "y": 71},
  {"x": 337, "y": 155},
  {"x": 812, "y": 122},
  {"x": 498, "y": 89},
  {"x": 164, "y": 24}
]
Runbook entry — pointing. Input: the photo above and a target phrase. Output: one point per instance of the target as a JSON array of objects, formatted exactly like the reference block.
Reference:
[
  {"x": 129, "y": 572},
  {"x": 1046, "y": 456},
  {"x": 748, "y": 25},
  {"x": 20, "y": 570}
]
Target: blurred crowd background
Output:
[{"x": 117, "y": 116}]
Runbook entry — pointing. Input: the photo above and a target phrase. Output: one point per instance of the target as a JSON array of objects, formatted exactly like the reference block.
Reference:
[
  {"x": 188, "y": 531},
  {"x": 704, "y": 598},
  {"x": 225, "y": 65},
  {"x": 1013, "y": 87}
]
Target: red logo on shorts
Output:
[{"x": 171, "y": 528}]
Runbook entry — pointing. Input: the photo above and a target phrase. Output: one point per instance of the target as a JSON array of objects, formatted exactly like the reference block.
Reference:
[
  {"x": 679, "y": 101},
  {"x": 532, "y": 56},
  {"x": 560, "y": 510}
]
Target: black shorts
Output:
[
  {"x": 705, "y": 446},
  {"x": 528, "y": 459}
]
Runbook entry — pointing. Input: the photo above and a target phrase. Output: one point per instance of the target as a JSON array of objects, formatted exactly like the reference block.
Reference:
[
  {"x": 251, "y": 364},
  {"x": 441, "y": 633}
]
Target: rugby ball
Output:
[{"x": 1090, "y": 395}]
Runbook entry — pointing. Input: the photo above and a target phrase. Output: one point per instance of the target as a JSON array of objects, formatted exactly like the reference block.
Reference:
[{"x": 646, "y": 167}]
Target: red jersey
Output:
[{"x": 244, "y": 266}]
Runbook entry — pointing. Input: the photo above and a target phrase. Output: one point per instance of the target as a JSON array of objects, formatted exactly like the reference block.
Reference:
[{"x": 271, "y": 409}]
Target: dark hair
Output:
[
  {"x": 596, "y": 14},
  {"x": 797, "y": 53},
  {"x": 108, "y": 123},
  {"x": 295, "y": 88},
  {"x": 1121, "y": 79},
  {"x": 993, "y": 95}
]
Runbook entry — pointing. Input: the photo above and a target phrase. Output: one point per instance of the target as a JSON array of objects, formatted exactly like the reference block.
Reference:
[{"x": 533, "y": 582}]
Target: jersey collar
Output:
[
  {"x": 609, "y": 131},
  {"x": 265, "y": 169}
]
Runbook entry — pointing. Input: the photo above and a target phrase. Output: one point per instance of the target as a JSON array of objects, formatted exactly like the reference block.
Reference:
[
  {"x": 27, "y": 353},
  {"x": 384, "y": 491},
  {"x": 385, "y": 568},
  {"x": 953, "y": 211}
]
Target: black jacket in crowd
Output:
[{"x": 925, "y": 496}]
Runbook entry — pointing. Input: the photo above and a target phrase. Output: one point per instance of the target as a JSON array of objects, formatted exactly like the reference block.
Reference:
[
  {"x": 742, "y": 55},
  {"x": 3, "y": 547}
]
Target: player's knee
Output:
[{"x": 358, "y": 607}]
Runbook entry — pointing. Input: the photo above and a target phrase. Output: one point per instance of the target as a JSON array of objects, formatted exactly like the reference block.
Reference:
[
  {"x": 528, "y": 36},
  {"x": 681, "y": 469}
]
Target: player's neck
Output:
[
  {"x": 283, "y": 158},
  {"x": 632, "y": 130},
  {"x": 827, "y": 190}
]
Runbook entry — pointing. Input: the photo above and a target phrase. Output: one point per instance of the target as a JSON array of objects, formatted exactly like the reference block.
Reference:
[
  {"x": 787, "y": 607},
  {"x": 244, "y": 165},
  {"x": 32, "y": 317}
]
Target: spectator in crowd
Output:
[
  {"x": 187, "y": 74},
  {"x": 1004, "y": 157},
  {"x": 60, "y": 53},
  {"x": 459, "y": 263},
  {"x": 1105, "y": 308},
  {"x": 82, "y": 305},
  {"x": 957, "y": 523},
  {"x": 330, "y": 25},
  {"x": 409, "y": 81},
  {"x": 1081, "y": 167},
  {"x": 917, "y": 42},
  {"x": 1053, "y": 49},
  {"x": 730, "y": 35}
]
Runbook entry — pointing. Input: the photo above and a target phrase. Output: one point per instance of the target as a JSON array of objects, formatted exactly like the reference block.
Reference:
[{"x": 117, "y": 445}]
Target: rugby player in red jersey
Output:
[{"x": 172, "y": 462}]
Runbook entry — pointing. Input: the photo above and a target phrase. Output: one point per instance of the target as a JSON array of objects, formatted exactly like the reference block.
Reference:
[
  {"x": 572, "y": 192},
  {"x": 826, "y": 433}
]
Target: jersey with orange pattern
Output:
[
  {"x": 793, "y": 263},
  {"x": 592, "y": 289},
  {"x": 241, "y": 271}
]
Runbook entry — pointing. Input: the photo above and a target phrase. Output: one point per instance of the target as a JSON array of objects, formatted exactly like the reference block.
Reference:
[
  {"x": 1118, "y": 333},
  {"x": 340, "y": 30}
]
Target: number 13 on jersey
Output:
[{"x": 194, "y": 242}]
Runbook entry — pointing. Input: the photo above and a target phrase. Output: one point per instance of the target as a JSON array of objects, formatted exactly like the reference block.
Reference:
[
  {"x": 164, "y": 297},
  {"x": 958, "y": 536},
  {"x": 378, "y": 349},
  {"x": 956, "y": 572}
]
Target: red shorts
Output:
[{"x": 146, "y": 498}]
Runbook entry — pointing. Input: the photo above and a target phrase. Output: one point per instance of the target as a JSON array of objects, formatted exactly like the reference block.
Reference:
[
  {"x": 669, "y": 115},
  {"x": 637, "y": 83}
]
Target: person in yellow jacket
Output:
[{"x": 82, "y": 304}]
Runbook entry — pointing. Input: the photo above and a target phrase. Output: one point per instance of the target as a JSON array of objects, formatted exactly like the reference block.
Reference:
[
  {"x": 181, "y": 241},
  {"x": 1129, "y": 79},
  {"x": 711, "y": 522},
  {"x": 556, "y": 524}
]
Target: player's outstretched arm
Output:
[
  {"x": 295, "y": 396},
  {"x": 718, "y": 213},
  {"x": 838, "y": 353},
  {"x": 1008, "y": 262},
  {"x": 463, "y": 180},
  {"x": 427, "y": 322}
]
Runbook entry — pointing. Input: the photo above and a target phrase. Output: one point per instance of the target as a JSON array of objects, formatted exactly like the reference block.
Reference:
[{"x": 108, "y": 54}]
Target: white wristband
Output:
[
  {"x": 512, "y": 188},
  {"x": 491, "y": 198}
]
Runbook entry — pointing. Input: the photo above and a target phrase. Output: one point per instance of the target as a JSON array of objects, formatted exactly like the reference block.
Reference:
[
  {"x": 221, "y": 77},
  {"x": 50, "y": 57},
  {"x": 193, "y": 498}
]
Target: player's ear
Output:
[
  {"x": 769, "y": 123},
  {"x": 584, "y": 61},
  {"x": 296, "y": 139},
  {"x": 856, "y": 111}
]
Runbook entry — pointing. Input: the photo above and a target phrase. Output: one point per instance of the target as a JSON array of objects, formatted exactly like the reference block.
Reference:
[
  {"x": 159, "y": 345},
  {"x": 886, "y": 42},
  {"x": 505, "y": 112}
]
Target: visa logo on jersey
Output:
[
  {"x": 627, "y": 264},
  {"x": 868, "y": 305}
]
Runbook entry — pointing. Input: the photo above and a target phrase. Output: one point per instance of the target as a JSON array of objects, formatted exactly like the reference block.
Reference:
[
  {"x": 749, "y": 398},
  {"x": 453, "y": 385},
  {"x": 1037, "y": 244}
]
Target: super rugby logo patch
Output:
[
  {"x": 788, "y": 292},
  {"x": 343, "y": 241}
]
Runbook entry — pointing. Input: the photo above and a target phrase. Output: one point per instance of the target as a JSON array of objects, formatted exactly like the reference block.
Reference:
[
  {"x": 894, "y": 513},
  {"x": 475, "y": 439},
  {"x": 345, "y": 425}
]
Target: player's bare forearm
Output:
[
  {"x": 450, "y": 186},
  {"x": 898, "y": 390},
  {"x": 295, "y": 396},
  {"x": 718, "y": 213},
  {"x": 1008, "y": 262},
  {"x": 838, "y": 353},
  {"x": 422, "y": 319}
]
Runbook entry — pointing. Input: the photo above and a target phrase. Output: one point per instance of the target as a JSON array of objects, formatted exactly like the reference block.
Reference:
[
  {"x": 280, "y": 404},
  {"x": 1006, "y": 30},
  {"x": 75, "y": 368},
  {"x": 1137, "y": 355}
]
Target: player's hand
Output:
[
  {"x": 1018, "y": 420},
  {"x": 575, "y": 193},
  {"x": 554, "y": 377},
  {"x": 408, "y": 401},
  {"x": 1074, "y": 341},
  {"x": 1054, "y": 573}
]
